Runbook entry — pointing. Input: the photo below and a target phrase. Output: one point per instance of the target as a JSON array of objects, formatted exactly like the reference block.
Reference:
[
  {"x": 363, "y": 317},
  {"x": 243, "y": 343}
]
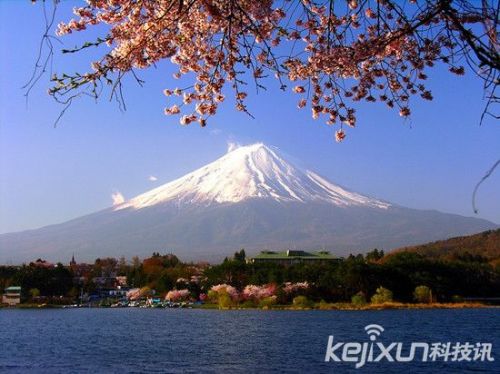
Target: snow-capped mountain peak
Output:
[{"x": 250, "y": 172}]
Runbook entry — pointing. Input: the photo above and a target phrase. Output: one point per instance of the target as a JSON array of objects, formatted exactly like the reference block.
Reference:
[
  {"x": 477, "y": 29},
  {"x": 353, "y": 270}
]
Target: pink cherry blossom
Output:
[
  {"x": 178, "y": 295},
  {"x": 290, "y": 287},
  {"x": 258, "y": 293},
  {"x": 230, "y": 290}
]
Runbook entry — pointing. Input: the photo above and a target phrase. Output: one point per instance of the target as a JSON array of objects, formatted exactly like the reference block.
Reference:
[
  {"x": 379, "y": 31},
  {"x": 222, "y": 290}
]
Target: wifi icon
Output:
[{"x": 373, "y": 331}]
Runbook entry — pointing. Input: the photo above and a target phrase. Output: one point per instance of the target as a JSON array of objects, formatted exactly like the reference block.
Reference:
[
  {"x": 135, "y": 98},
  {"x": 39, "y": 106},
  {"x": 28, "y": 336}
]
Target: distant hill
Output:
[{"x": 485, "y": 244}]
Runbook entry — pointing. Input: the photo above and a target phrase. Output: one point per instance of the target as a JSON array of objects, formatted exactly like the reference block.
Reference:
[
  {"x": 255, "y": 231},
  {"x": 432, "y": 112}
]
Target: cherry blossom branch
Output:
[{"x": 335, "y": 53}]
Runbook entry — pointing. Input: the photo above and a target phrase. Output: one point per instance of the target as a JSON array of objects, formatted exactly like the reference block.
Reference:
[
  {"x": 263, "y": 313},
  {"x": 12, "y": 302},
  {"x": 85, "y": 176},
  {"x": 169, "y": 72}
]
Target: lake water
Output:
[{"x": 250, "y": 341}]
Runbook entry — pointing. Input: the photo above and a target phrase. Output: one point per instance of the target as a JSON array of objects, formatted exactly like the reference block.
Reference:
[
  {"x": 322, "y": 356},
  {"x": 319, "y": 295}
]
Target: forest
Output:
[{"x": 403, "y": 276}]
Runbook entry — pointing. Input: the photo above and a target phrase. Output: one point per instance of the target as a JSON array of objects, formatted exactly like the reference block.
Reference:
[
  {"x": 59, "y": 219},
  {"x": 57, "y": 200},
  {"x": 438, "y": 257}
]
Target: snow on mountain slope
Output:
[{"x": 254, "y": 171}]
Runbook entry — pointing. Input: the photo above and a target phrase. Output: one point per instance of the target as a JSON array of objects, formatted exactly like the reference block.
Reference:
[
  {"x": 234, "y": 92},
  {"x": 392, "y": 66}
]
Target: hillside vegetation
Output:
[{"x": 484, "y": 245}]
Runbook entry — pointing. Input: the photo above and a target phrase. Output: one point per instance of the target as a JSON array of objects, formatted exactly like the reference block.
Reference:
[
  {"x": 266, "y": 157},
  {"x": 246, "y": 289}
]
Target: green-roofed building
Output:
[{"x": 291, "y": 257}]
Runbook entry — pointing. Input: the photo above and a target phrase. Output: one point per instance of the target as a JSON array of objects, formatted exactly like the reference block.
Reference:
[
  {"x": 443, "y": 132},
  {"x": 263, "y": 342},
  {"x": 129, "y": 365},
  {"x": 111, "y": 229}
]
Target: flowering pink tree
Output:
[
  {"x": 178, "y": 295},
  {"x": 137, "y": 293},
  {"x": 133, "y": 294},
  {"x": 290, "y": 287},
  {"x": 332, "y": 54},
  {"x": 224, "y": 288},
  {"x": 257, "y": 293},
  {"x": 290, "y": 290}
]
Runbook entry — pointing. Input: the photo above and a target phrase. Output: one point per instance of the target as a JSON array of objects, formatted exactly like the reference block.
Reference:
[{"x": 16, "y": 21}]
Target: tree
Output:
[
  {"x": 333, "y": 53},
  {"x": 122, "y": 266},
  {"x": 136, "y": 262},
  {"x": 240, "y": 256},
  {"x": 105, "y": 267},
  {"x": 375, "y": 255}
]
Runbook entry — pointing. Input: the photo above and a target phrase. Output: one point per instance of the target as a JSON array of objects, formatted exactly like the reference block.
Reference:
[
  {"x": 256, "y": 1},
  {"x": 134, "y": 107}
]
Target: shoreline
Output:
[
  {"x": 317, "y": 306},
  {"x": 368, "y": 307}
]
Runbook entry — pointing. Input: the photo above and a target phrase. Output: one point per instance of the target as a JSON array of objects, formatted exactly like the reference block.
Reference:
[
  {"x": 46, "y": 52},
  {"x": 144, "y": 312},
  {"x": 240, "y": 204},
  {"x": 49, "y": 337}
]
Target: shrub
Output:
[
  {"x": 267, "y": 302},
  {"x": 302, "y": 302},
  {"x": 382, "y": 295},
  {"x": 34, "y": 293},
  {"x": 422, "y": 294},
  {"x": 224, "y": 300},
  {"x": 225, "y": 288},
  {"x": 248, "y": 304},
  {"x": 359, "y": 299},
  {"x": 323, "y": 305},
  {"x": 213, "y": 296}
]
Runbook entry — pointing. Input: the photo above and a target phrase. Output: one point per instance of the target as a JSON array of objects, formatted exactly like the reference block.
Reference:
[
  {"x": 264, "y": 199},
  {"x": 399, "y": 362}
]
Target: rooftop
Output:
[
  {"x": 13, "y": 289},
  {"x": 293, "y": 254}
]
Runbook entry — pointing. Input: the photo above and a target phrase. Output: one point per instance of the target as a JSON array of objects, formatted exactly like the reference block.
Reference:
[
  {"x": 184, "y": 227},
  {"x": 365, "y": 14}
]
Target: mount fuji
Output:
[
  {"x": 250, "y": 198},
  {"x": 252, "y": 172}
]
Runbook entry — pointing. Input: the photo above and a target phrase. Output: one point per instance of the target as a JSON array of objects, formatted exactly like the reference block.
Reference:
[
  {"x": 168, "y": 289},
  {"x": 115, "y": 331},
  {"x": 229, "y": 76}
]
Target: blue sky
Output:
[{"x": 49, "y": 175}]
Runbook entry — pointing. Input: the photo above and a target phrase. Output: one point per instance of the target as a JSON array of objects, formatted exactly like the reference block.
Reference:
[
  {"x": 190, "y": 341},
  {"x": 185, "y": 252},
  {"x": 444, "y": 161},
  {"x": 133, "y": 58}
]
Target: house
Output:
[
  {"x": 118, "y": 292},
  {"x": 291, "y": 257},
  {"x": 12, "y": 296}
]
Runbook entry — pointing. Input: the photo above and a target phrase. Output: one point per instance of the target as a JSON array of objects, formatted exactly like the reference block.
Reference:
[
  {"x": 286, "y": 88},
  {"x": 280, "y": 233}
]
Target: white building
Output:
[{"x": 12, "y": 296}]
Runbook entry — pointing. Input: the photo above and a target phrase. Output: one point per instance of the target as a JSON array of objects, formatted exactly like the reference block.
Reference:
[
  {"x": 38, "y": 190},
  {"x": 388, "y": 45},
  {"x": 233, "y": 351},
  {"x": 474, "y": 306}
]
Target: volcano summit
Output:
[{"x": 252, "y": 172}]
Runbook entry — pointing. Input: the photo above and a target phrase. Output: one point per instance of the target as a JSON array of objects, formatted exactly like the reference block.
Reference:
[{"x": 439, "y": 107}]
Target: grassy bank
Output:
[
  {"x": 349, "y": 306},
  {"x": 397, "y": 305},
  {"x": 32, "y": 306}
]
